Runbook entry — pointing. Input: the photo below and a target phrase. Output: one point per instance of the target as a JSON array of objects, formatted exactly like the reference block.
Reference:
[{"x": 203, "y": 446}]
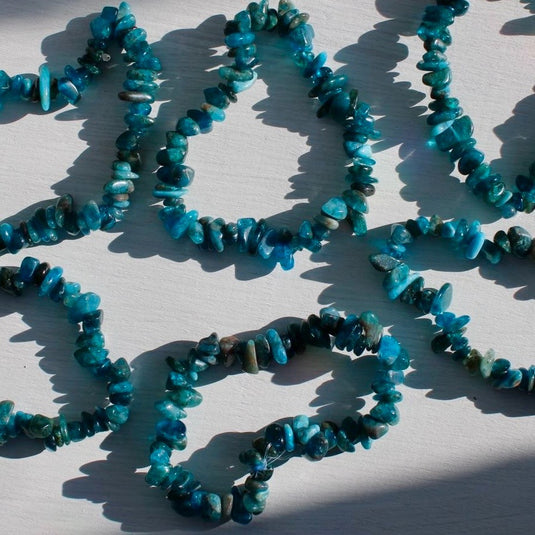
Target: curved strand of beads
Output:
[
  {"x": 64, "y": 218},
  {"x": 298, "y": 437},
  {"x": 90, "y": 353},
  {"x": 451, "y": 130},
  {"x": 252, "y": 236},
  {"x": 408, "y": 286}
]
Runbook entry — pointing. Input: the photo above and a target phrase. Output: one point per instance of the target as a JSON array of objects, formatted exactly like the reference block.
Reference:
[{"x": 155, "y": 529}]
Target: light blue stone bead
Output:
[
  {"x": 169, "y": 410},
  {"x": 474, "y": 246},
  {"x": 400, "y": 235},
  {"x": 82, "y": 305},
  {"x": 178, "y": 224},
  {"x": 157, "y": 474},
  {"x": 27, "y": 269},
  {"x": 185, "y": 396},
  {"x": 300, "y": 421},
  {"x": 277, "y": 347},
  {"x": 305, "y": 434},
  {"x": 117, "y": 414},
  {"x": 195, "y": 232},
  {"x": 511, "y": 379},
  {"x": 356, "y": 200},
  {"x": 44, "y": 87},
  {"x": 397, "y": 290},
  {"x": 88, "y": 218},
  {"x": 238, "y": 86},
  {"x": 51, "y": 279},
  {"x": 389, "y": 350},
  {"x": 234, "y": 40},
  {"x": 289, "y": 438},
  {"x": 387, "y": 413},
  {"x": 336, "y": 208},
  {"x": 442, "y": 299},
  {"x": 89, "y": 357},
  {"x": 448, "y": 322}
]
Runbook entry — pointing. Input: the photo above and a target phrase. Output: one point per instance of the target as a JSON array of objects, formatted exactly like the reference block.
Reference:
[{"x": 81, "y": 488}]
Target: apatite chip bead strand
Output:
[
  {"x": 452, "y": 130},
  {"x": 90, "y": 352},
  {"x": 409, "y": 287},
  {"x": 65, "y": 218},
  {"x": 300, "y": 436},
  {"x": 251, "y": 236}
]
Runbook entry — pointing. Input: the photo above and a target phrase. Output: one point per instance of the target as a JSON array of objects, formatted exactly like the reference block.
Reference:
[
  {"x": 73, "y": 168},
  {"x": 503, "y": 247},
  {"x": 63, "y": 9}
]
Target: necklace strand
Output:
[
  {"x": 56, "y": 221},
  {"x": 252, "y": 236}
]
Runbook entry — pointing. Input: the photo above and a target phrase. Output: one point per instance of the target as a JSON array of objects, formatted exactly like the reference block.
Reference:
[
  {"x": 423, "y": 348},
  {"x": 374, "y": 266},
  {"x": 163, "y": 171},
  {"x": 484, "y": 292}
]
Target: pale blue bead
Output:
[
  {"x": 44, "y": 87},
  {"x": 448, "y": 229},
  {"x": 440, "y": 127},
  {"x": 181, "y": 224},
  {"x": 389, "y": 350},
  {"x": 289, "y": 438},
  {"x": 300, "y": 421},
  {"x": 84, "y": 304},
  {"x": 336, "y": 208},
  {"x": 442, "y": 299},
  {"x": 239, "y": 86},
  {"x": 277, "y": 348},
  {"x": 50, "y": 280},
  {"x": 396, "y": 291},
  {"x": 474, "y": 246},
  {"x": 306, "y": 433}
]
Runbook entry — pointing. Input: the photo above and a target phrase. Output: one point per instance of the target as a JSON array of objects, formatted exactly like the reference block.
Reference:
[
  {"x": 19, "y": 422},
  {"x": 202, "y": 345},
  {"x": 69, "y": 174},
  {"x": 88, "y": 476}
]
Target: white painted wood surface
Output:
[{"x": 461, "y": 460}]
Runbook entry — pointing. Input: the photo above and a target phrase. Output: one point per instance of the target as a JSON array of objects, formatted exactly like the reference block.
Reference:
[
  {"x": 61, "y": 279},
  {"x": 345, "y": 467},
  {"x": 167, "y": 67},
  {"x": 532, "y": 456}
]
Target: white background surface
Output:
[{"x": 461, "y": 460}]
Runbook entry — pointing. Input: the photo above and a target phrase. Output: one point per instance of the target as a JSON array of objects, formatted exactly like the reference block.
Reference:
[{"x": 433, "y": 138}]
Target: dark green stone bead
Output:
[
  {"x": 39, "y": 426},
  {"x": 499, "y": 367},
  {"x": 249, "y": 362},
  {"x": 437, "y": 79},
  {"x": 520, "y": 240},
  {"x": 460, "y": 130},
  {"x": 374, "y": 428},
  {"x": 385, "y": 412}
]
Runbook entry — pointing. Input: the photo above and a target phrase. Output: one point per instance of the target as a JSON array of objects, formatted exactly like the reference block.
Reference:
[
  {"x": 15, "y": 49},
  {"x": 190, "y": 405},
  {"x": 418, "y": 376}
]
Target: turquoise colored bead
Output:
[
  {"x": 277, "y": 348},
  {"x": 44, "y": 87},
  {"x": 335, "y": 208}
]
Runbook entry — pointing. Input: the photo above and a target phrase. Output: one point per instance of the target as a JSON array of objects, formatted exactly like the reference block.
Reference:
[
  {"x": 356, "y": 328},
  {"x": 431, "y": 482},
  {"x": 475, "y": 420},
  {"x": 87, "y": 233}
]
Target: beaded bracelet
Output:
[
  {"x": 252, "y": 236},
  {"x": 54, "y": 222},
  {"x": 90, "y": 353},
  {"x": 299, "y": 437},
  {"x": 400, "y": 282},
  {"x": 451, "y": 130}
]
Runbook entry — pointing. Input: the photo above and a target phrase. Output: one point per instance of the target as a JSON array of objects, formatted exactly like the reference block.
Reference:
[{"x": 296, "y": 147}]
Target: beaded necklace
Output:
[
  {"x": 451, "y": 130},
  {"x": 90, "y": 353},
  {"x": 298, "y": 437},
  {"x": 54, "y": 222},
  {"x": 400, "y": 282},
  {"x": 252, "y": 236}
]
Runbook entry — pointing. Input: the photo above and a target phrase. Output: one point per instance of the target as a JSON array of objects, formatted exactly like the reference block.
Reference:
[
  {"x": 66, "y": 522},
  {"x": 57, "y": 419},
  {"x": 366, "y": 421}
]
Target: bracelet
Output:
[
  {"x": 400, "y": 282},
  {"x": 89, "y": 352},
  {"x": 298, "y": 437},
  {"x": 64, "y": 218},
  {"x": 451, "y": 130},
  {"x": 252, "y": 236}
]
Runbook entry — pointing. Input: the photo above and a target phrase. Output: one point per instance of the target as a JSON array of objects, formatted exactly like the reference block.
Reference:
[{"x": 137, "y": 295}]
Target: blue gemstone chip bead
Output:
[
  {"x": 300, "y": 436},
  {"x": 256, "y": 237},
  {"x": 89, "y": 352},
  {"x": 400, "y": 282}
]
